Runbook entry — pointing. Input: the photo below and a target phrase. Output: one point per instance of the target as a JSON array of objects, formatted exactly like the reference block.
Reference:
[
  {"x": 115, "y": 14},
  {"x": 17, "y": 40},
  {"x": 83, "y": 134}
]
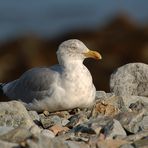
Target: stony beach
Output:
[{"x": 118, "y": 119}]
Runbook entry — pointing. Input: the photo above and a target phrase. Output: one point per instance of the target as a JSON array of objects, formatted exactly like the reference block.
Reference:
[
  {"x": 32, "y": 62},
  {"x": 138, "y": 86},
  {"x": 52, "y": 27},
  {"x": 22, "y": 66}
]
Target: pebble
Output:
[
  {"x": 48, "y": 121},
  {"x": 47, "y": 133},
  {"x": 115, "y": 130},
  {"x": 46, "y": 113},
  {"x": 130, "y": 79},
  {"x": 100, "y": 94},
  {"x": 73, "y": 120},
  {"x": 64, "y": 122}
]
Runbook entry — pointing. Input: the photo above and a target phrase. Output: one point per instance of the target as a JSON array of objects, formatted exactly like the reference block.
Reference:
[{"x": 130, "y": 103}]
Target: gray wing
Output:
[{"x": 34, "y": 83}]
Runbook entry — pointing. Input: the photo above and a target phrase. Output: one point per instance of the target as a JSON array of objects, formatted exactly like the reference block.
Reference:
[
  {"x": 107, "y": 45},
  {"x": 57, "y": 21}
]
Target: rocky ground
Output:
[{"x": 116, "y": 120}]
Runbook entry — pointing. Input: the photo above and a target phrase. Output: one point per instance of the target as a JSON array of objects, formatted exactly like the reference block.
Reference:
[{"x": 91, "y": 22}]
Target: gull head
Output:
[{"x": 74, "y": 50}]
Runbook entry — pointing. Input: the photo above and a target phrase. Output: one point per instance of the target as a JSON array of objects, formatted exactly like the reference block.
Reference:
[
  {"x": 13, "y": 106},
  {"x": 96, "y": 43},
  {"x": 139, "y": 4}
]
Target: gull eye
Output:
[{"x": 73, "y": 46}]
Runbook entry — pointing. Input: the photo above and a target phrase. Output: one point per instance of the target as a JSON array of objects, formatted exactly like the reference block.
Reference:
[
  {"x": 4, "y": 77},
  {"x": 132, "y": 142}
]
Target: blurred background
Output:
[{"x": 31, "y": 30}]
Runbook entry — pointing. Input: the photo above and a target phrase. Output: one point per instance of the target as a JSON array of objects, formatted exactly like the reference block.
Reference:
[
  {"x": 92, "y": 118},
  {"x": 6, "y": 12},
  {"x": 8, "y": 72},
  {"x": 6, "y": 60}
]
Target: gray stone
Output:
[
  {"x": 56, "y": 119},
  {"x": 100, "y": 94},
  {"x": 83, "y": 128},
  {"x": 131, "y": 120},
  {"x": 34, "y": 115},
  {"x": 5, "y": 144},
  {"x": 73, "y": 120},
  {"x": 48, "y": 121},
  {"x": 108, "y": 95},
  {"x": 47, "y": 133},
  {"x": 100, "y": 123},
  {"x": 64, "y": 122},
  {"x": 14, "y": 114},
  {"x": 40, "y": 141},
  {"x": 115, "y": 130},
  {"x": 130, "y": 79},
  {"x": 79, "y": 118},
  {"x": 110, "y": 127},
  {"x": 103, "y": 95},
  {"x": 16, "y": 135}
]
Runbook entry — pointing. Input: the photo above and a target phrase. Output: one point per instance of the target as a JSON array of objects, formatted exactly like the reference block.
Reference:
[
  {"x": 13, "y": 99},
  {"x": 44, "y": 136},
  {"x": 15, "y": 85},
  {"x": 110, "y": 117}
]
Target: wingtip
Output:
[{"x": 1, "y": 89}]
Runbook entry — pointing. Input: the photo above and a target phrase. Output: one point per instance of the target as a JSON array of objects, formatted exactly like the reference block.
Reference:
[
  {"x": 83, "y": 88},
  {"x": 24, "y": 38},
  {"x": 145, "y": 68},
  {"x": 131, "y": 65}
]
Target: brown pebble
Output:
[{"x": 46, "y": 113}]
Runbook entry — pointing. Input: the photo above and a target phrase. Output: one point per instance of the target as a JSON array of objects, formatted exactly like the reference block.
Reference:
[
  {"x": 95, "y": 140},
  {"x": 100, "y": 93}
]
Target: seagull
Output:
[{"x": 64, "y": 86}]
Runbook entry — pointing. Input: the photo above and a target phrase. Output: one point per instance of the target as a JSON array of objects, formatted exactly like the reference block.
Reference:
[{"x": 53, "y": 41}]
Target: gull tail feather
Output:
[
  {"x": 1, "y": 89},
  {"x": 3, "y": 97}
]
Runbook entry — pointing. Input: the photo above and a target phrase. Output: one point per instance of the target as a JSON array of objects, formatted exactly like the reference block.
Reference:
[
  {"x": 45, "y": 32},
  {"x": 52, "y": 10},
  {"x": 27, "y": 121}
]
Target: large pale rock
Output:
[
  {"x": 130, "y": 79},
  {"x": 13, "y": 114}
]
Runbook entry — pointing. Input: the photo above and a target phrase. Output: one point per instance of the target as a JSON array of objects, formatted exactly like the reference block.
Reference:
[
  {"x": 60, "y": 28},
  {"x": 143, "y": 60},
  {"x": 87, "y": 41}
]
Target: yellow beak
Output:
[{"x": 93, "y": 54}]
